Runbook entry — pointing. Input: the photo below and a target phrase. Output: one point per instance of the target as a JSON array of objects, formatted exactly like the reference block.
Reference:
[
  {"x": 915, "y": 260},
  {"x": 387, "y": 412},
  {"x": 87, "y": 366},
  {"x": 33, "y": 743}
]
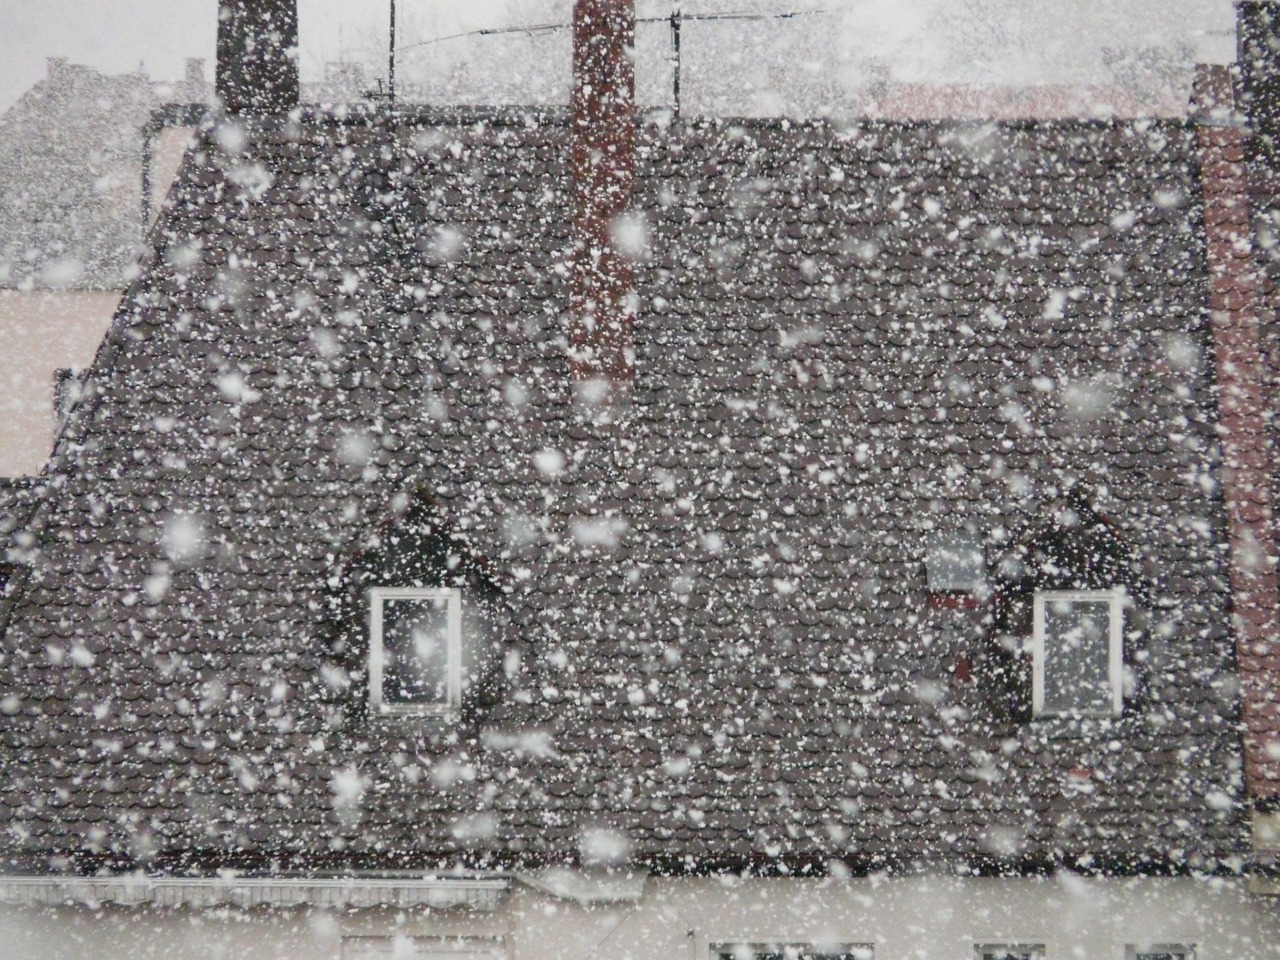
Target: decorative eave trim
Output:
[{"x": 437, "y": 892}]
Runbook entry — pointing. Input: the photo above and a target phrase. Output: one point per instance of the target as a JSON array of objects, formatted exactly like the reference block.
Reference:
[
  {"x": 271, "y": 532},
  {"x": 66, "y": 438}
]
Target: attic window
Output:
[
  {"x": 955, "y": 564},
  {"x": 1076, "y": 653},
  {"x": 415, "y": 650}
]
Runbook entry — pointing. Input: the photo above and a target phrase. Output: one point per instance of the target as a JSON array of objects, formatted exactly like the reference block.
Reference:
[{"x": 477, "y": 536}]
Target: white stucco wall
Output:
[{"x": 915, "y": 918}]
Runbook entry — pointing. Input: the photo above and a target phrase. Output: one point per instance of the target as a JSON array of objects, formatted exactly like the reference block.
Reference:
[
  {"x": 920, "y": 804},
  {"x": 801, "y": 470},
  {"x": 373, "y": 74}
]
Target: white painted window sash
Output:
[
  {"x": 1114, "y": 598},
  {"x": 377, "y": 652}
]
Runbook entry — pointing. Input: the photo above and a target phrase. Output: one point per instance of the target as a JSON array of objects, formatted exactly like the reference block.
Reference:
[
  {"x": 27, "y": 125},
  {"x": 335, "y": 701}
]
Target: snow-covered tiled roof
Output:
[{"x": 723, "y": 648}]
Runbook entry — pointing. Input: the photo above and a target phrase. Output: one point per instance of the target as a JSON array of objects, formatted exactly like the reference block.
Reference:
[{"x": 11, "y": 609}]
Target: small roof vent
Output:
[{"x": 954, "y": 563}]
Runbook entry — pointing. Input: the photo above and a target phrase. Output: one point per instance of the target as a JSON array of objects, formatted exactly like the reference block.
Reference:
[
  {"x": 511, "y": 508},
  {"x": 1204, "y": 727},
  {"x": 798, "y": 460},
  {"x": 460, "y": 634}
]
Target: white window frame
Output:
[
  {"x": 377, "y": 654},
  {"x": 1115, "y": 598}
]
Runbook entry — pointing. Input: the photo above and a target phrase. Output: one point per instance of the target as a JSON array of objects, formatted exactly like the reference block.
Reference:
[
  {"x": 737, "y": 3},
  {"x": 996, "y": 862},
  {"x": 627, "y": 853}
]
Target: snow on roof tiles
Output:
[{"x": 846, "y": 337}]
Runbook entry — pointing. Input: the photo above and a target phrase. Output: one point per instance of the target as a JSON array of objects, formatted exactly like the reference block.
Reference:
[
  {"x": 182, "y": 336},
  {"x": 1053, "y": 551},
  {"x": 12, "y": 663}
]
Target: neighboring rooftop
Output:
[{"x": 71, "y": 173}]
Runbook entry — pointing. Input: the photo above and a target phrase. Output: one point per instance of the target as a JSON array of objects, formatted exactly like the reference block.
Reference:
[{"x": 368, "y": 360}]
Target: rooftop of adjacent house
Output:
[
  {"x": 71, "y": 159},
  {"x": 710, "y": 618},
  {"x": 71, "y": 149}
]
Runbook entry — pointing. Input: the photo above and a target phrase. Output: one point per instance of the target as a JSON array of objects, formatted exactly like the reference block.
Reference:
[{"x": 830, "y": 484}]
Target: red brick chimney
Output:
[
  {"x": 602, "y": 162},
  {"x": 1235, "y": 315},
  {"x": 257, "y": 72}
]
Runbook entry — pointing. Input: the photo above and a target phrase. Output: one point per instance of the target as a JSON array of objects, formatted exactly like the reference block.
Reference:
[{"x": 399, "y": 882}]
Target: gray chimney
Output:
[
  {"x": 257, "y": 72},
  {"x": 1258, "y": 55}
]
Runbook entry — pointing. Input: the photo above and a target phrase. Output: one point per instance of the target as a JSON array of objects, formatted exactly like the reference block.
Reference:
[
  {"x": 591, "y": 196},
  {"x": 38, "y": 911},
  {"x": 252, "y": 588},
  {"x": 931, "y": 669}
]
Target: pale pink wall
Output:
[
  {"x": 39, "y": 333},
  {"x": 169, "y": 147},
  {"x": 42, "y": 331}
]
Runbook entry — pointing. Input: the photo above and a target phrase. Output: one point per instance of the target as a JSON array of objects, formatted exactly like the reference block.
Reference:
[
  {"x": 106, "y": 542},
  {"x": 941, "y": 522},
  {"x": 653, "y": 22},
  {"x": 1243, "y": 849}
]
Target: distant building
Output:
[{"x": 72, "y": 222}]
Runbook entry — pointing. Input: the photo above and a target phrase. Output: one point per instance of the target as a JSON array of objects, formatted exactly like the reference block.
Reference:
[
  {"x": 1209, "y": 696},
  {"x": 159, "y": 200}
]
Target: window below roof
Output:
[
  {"x": 1009, "y": 951},
  {"x": 791, "y": 951},
  {"x": 415, "y": 651},
  {"x": 1077, "y": 665},
  {"x": 1161, "y": 951},
  {"x": 423, "y": 948}
]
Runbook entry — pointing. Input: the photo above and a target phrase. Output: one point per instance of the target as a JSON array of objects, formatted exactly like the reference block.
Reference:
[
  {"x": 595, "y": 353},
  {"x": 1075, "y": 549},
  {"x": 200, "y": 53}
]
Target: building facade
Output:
[{"x": 515, "y": 533}]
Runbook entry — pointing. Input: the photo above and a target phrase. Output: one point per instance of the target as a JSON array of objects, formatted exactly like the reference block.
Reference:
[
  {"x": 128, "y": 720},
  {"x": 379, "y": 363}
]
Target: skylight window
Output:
[
  {"x": 1077, "y": 653},
  {"x": 955, "y": 564},
  {"x": 415, "y": 650}
]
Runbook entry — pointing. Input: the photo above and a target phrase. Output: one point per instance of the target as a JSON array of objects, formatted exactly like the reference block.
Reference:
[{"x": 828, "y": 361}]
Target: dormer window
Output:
[
  {"x": 419, "y": 625},
  {"x": 415, "y": 651},
  {"x": 1077, "y": 662}
]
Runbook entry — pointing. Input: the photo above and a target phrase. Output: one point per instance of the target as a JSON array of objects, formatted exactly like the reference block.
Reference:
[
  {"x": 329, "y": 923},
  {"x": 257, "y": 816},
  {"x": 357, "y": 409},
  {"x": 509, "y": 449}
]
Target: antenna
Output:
[
  {"x": 675, "y": 58},
  {"x": 675, "y": 19},
  {"x": 391, "y": 57}
]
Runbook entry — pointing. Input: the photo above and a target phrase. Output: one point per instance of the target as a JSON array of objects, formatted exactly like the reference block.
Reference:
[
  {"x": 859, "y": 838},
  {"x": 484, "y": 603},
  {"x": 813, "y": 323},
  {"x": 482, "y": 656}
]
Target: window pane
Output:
[
  {"x": 747, "y": 951},
  {"x": 415, "y": 643},
  {"x": 421, "y": 948},
  {"x": 1077, "y": 656},
  {"x": 1032, "y": 951}
]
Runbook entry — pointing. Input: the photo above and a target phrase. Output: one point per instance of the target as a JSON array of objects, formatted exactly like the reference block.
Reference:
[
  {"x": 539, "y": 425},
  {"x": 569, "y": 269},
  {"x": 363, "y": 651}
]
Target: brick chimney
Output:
[
  {"x": 257, "y": 72},
  {"x": 1236, "y": 323},
  {"x": 602, "y": 163}
]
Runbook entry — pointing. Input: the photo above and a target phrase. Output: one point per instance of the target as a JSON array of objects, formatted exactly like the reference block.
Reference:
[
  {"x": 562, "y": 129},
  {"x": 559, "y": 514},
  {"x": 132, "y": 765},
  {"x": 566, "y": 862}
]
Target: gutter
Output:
[{"x": 477, "y": 893}]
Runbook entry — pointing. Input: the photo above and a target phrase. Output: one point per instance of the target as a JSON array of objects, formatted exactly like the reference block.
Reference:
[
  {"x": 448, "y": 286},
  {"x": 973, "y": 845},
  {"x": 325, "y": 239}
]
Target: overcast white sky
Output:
[{"x": 1010, "y": 41}]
